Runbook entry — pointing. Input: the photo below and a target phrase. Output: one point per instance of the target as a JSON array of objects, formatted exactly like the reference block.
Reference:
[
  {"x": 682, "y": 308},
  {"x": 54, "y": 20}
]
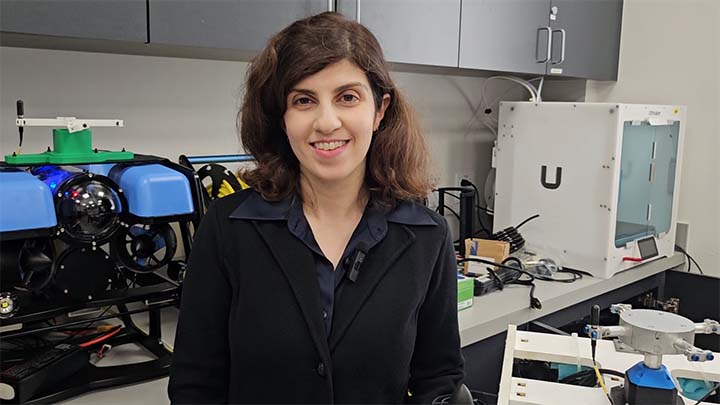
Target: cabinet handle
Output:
[
  {"x": 357, "y": 10},
  {"x": 651, "y": 178},
  {"x": 563, "y": 35},
  {"x": 537, "y": 47}
]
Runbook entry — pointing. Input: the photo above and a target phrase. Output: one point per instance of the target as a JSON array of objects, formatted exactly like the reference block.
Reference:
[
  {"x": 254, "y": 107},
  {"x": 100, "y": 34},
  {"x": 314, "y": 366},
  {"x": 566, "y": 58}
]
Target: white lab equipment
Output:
[{"x": 604, "y": 178}]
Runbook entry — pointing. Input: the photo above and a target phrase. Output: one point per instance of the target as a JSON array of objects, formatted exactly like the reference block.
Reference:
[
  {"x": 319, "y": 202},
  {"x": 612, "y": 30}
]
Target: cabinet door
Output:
[
  {"x": 124, "y": 20},
  {"x": 589, "y": 33},
  {"x": 505, "y": 35},
  {"x": 236, "y": 24},
  {"x": 411, "y": 31}
]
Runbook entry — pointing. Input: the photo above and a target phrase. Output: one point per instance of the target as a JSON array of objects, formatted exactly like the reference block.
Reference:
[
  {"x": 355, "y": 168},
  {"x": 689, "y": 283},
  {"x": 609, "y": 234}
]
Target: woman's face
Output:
[{"x": 329, "y": 121}]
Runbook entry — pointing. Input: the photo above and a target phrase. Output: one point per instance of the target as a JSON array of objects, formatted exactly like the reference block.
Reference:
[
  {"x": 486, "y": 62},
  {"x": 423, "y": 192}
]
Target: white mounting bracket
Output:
[{"x": 71, "y": 123}]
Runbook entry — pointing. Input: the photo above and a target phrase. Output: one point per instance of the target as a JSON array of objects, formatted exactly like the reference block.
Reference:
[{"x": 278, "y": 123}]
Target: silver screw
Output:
[{"x": 65, "y": 291}]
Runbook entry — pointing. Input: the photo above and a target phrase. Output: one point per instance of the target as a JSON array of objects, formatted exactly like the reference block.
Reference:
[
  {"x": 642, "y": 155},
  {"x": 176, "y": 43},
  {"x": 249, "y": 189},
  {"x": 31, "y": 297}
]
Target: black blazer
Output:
[{"x": 251, "y": 328}]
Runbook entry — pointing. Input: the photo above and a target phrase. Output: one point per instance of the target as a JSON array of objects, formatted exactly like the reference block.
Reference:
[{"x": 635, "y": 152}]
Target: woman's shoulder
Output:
[
  {"x": 410, "y": 212},
  {"x": 224, "y": 207}
]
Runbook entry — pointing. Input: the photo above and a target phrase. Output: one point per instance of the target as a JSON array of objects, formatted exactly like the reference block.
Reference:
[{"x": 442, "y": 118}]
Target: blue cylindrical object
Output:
[
  {"x": 155, "y": 190},
  {"x": 25, "y": 202},
  {"x": 221, "y": 159}
]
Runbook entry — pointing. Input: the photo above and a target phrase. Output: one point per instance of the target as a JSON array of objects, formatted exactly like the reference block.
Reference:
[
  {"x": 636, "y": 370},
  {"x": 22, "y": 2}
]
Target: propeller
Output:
[{"x": 145, "y": 248}]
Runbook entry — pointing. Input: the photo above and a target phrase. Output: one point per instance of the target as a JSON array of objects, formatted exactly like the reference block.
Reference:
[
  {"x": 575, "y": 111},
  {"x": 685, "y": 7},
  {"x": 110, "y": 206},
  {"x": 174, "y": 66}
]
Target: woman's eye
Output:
[
  {"x": 348, "y": 98},
  {"x": 303, "y": 101}
]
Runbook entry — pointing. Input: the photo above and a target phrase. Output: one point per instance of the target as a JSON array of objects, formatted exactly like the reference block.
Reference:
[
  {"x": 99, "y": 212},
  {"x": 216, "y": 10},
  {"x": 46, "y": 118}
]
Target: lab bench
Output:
[{"x": 483, "y": 327}]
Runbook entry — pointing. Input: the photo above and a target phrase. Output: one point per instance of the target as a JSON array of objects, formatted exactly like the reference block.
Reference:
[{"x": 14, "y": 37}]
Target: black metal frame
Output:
[{"x": 157, "y": 296}]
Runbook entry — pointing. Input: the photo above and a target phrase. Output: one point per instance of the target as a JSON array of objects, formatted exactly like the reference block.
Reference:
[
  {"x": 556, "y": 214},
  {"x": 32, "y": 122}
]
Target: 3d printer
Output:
[
  {"x": 604, "y": 179},
  {"x": 83, "y": 231}
]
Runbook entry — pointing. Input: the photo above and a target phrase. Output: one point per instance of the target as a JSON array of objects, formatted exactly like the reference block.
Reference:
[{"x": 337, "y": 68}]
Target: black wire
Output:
[
  {"x": 706, "y": 396},
  {"x": 575, "y": 277},
  {"x": 92, "y": 321},
  {"x": 477, "y": 196},
  {"x": 690, "y": 259},
  {"x": 611, "y": 372},
  {"x": 527, "y": 220},
  {"x": 534, "y": 302}
]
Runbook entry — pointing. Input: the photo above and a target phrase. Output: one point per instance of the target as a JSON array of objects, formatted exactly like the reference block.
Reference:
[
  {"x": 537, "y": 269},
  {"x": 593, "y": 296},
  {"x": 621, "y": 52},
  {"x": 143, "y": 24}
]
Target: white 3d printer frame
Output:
[{"x": 564, "y": 161}]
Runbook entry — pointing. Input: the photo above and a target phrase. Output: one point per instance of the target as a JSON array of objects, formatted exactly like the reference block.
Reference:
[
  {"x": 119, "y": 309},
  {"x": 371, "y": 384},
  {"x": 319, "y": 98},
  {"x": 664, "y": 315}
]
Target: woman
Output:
[{"x": 326, "y": 281}]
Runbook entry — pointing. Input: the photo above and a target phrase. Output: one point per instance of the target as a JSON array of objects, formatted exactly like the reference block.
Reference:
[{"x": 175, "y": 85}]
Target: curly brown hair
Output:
[{"x": 397, "y": 161}]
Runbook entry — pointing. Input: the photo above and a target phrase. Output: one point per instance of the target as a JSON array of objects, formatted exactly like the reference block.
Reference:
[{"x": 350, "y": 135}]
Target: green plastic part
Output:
[{"x": 69, "y": 148}]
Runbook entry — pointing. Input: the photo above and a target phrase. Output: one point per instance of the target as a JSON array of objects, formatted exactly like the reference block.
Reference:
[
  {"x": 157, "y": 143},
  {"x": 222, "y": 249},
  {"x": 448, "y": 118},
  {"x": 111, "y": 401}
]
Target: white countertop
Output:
[{"x": 491, "y": 314}]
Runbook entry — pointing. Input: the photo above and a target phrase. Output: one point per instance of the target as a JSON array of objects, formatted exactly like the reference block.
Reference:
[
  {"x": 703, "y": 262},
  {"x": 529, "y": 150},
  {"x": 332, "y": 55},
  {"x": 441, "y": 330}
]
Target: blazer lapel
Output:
[
  {"x": 297, "y": 264},
  {"x": 376, "y": 264}
]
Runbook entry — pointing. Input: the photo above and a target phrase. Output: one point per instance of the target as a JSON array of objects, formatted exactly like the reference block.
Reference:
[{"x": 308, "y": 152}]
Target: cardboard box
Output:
[{"x": 493, "y": 250}]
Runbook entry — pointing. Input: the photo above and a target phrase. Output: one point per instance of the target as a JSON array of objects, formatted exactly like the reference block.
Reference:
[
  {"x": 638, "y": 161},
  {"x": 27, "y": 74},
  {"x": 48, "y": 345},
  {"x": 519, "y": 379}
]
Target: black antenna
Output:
[{"x": 20, "y": 115}]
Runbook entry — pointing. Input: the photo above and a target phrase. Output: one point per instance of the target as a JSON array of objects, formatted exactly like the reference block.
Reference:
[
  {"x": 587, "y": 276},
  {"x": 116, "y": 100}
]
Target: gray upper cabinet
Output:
[
  {"x": 124, "y": 20},
  {"x": 586, "y": 38},
  {"x": 505, "y": 35},
  {"x": 576, "y": 38},
  {"x": 410, "y": 31},
  {"x": 237, "y": 24}
]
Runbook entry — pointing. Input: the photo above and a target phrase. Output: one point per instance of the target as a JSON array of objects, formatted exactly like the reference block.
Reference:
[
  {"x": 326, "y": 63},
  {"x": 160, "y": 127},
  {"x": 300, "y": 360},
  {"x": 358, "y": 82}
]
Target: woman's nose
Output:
[{"x": 327, "y": 120}]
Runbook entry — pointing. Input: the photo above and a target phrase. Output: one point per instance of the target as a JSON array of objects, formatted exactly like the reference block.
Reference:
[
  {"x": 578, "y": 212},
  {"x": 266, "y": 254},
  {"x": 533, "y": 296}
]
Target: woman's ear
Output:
[{"x": 380, "y": 113}]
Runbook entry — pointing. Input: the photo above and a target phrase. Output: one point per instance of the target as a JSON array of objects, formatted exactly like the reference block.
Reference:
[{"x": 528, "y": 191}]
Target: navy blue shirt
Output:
[{"x": 371, "y": 229}]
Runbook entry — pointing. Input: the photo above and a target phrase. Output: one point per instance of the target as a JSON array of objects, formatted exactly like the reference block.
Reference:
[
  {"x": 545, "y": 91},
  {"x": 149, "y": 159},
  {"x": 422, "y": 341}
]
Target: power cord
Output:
[
  {"x": 588, "y": 378},
  {"x": 690, "y": 259},
  {"x": 516, "y": 279},
  {"x": 576, "y": 275},
  {"x": 512, "y": 235}
]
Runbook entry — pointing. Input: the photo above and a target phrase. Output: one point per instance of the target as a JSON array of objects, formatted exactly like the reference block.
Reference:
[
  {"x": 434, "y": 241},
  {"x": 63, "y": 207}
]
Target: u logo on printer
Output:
[{"x": 543, "y": 178}]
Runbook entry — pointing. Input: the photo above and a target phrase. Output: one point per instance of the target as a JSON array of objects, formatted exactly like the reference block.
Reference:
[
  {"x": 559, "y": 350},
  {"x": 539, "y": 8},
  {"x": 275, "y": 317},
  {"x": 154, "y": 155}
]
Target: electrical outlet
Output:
[
  {"x": 459, "y": 177},
  {"x": 682, "y": 235}
]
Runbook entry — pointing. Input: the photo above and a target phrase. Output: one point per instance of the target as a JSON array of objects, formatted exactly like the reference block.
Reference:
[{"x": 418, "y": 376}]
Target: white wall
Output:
[
  {"x": 670, "y": 54},
  {"x": 174, "y": 106}
]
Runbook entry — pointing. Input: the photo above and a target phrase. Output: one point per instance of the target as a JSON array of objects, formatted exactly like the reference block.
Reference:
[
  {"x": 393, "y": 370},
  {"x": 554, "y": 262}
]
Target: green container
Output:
[{"x": 465, "y": 288}]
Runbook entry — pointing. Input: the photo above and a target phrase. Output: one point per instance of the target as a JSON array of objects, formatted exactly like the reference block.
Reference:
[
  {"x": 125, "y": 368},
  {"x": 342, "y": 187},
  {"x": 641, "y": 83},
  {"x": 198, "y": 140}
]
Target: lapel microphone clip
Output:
[{"x": 356, "y": 260}]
